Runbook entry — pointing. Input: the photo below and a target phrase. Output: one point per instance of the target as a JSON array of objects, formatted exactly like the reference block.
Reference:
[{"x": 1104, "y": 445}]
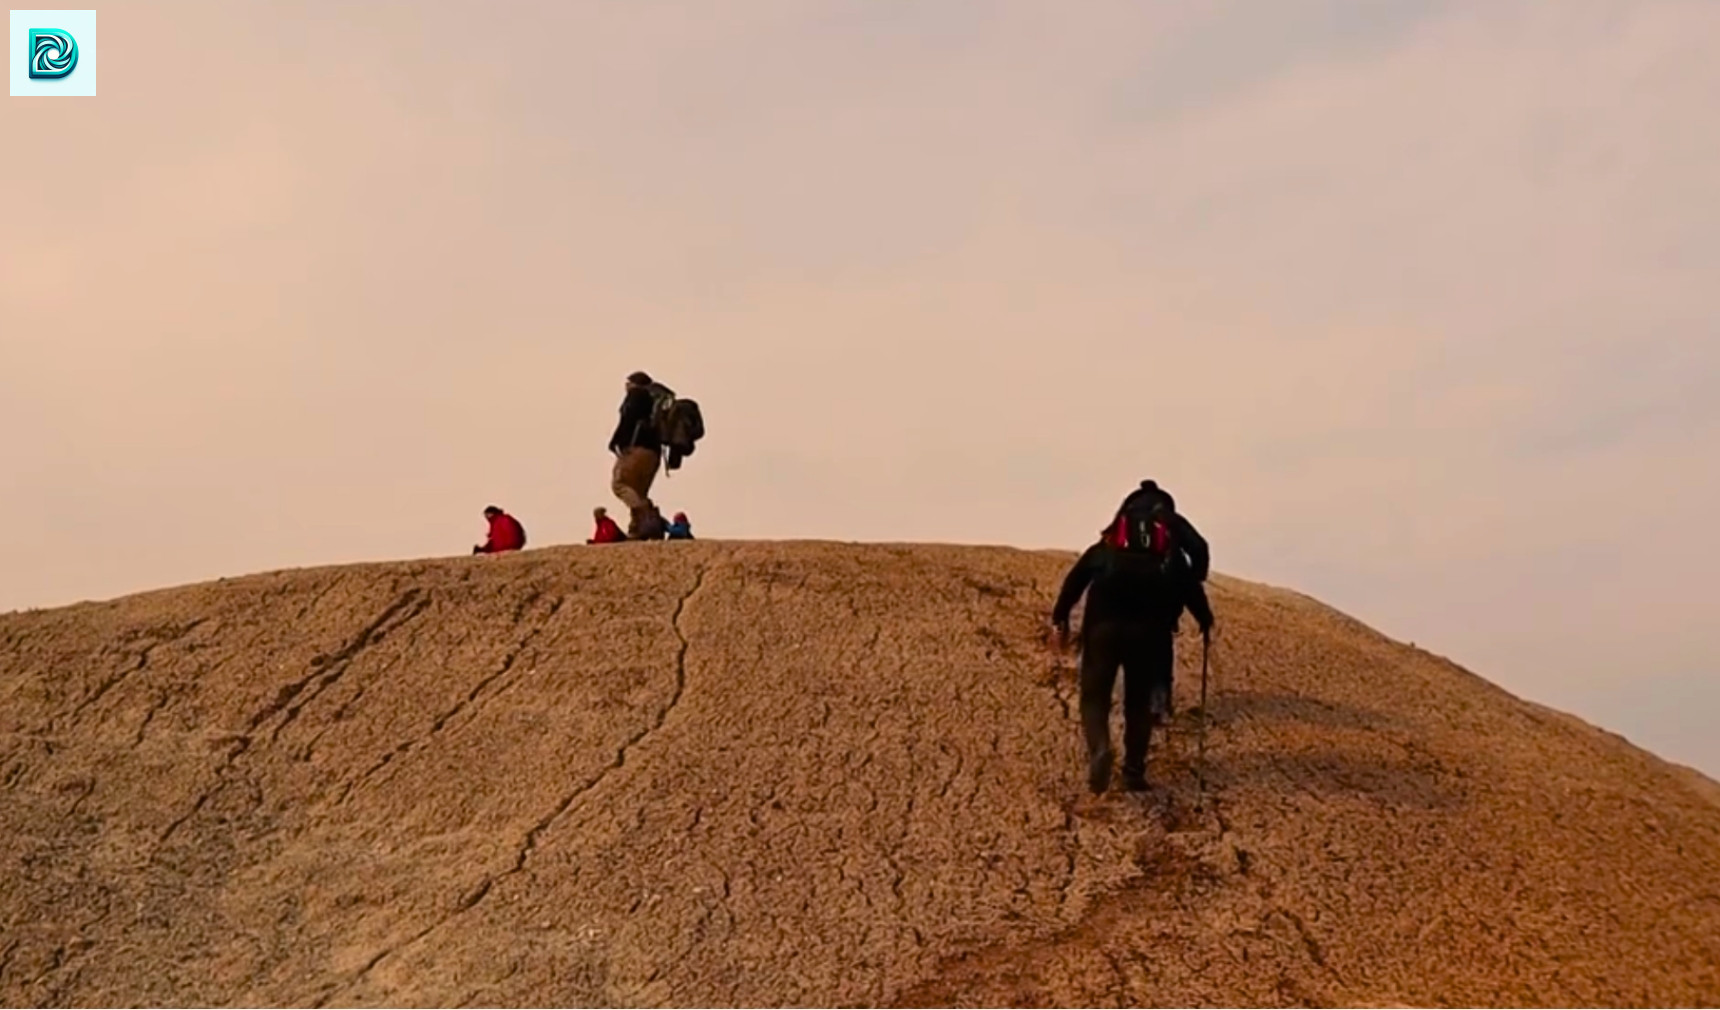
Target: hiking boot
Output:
[
  {"x": 1099, "y": 771},
  {"x": 1134, "y": 782}
]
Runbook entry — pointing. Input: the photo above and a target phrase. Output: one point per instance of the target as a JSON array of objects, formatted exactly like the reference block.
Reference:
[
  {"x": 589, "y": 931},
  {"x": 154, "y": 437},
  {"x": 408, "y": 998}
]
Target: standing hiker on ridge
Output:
[
  {"x": 652, "y": 419},
  {"x": 1137, "y": 589},
  {"x": 506, "y": 533},
  {"x": 638, "y": 448}
]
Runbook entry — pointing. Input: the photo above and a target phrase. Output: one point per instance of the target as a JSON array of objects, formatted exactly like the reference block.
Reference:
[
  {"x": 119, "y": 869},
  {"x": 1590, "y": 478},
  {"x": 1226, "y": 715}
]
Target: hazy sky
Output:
[{"x": 1414, "y": 305}]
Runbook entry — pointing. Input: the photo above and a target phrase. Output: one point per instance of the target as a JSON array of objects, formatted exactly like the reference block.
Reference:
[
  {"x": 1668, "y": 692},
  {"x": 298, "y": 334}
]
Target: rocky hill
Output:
[{"x": 799, "y": 773}]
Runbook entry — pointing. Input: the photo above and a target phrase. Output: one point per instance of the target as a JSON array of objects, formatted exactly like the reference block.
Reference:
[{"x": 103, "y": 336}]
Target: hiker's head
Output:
[
  {"x": 680, "y": 517},
  {"x": 1152, "y": 487},
  {"x": 599, "y": 512},
  {"x": 491, "y": 511},
  {"x": 638, "y": 380}
]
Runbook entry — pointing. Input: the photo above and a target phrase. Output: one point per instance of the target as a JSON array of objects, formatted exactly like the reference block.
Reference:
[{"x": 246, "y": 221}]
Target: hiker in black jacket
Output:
[
  {"x": 1134, "y": 601},
  {"x": 638, "y": 449}
]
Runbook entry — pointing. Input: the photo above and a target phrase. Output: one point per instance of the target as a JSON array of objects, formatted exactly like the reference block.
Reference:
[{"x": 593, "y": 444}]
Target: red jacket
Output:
[
  {"x": 608, "y": 532},
  {"x": 505, "y": 535}
]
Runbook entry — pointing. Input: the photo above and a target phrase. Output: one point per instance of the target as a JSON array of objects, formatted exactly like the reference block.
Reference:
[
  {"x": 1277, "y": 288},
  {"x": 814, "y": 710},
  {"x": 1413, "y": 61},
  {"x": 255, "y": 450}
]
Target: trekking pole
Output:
[{"x": 1200, "y": 739}]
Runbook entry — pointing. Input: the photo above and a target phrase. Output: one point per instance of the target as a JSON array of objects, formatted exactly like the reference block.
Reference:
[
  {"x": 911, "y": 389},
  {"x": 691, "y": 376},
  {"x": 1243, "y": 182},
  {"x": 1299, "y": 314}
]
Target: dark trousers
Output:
[{"x": 1146, "y": 655}]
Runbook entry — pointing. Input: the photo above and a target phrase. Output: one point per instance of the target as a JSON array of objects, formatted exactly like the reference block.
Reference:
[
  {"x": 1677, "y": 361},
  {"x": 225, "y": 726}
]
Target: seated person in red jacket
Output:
[
  {"x": 608, "y": 532},
  {"x": 506, "y": 533}
]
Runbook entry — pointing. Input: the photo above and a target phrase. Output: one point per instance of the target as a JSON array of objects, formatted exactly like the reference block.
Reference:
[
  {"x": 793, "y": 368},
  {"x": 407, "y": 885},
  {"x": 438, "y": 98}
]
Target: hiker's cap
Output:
[{"x": 639, "y": 379}]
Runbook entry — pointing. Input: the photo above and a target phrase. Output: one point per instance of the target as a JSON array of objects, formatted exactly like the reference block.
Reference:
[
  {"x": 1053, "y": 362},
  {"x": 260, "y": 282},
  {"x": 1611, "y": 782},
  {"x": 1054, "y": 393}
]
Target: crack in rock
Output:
[
  {"x": 528, "y": 844},
  {"x": 174, "y": 635},
  {"x": 471, "y": 698},
  {"x": 340, "y": 660},
  {"x": 288, "y": 692}
]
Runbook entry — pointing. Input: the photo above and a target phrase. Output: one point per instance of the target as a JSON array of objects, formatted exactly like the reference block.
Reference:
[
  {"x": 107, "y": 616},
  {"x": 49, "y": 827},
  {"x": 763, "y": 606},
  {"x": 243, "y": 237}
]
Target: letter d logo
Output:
[{"x": 53, "y": 53}]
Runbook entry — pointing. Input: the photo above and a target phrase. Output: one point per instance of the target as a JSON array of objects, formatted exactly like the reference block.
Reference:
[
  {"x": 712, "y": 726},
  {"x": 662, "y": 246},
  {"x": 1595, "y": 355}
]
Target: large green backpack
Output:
[{"x": 678, "y": 421}]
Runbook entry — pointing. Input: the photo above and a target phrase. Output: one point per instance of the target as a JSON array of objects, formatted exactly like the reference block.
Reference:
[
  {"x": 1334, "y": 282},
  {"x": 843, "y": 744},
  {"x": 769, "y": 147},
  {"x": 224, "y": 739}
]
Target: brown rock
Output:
[{"x": 808, "y": 774}]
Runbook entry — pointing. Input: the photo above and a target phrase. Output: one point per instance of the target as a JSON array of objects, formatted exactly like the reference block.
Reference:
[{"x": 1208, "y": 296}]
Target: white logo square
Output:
[{"x": 53, "y": 53}]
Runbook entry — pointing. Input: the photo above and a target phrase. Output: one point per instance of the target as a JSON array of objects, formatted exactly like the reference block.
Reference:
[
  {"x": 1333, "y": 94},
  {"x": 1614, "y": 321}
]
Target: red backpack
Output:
[
  {"x": 1143, "y": 531},
  {"x": 1149, "y": 535}
]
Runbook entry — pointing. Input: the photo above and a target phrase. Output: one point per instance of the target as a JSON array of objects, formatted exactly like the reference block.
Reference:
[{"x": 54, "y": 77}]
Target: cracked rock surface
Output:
[{"x": 800, "y": 773}]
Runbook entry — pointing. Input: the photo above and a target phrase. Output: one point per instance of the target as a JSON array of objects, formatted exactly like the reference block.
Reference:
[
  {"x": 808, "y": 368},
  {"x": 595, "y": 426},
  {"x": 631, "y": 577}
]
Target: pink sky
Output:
[{"x": 1415, "y": 306}]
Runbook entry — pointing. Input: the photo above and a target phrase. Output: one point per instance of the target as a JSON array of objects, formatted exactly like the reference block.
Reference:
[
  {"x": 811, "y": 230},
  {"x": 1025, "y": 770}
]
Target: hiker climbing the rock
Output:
[
  {"x": 1137, "y": 586},
  {"x": 607, "y": 532},
  {"x": 506, "y": 533},
  {"x": 680, "y": 528},
  {"x": 652, "y": 419}
]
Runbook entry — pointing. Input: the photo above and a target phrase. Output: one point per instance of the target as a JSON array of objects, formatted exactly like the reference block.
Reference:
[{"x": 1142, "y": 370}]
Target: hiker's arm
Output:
[
  {"x": 635, "y": 409},
  {"x": 1199, "y": 607},
  {"x": 1074, "y": 584},
  {"x": 1199, "y": 555}
]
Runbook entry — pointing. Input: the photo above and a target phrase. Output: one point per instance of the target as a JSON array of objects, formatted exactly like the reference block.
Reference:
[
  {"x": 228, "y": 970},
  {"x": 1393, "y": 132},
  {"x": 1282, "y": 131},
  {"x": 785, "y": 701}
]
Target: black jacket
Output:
[
  {"x": 1127, "y": 589},
  {"x": 635, "y": 427}
]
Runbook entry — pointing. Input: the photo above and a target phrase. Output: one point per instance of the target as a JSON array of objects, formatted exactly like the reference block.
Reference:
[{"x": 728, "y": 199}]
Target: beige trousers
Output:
[{"x": 635, "y": 469}]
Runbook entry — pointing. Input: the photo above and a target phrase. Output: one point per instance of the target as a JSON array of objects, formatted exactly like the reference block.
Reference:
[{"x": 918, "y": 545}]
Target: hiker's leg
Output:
[
  {"x": 1164, "y": 658},
  {"x": 650, "y": 523},
  {"x": 622, "y": 484},
  {"x": 635, "y": 469},
  {"x": 1146, "y": 682},
  {"x": 649, "y": 463},
  {"x": 647, "y": 517},
  {"x": 1099, "y": 662}
]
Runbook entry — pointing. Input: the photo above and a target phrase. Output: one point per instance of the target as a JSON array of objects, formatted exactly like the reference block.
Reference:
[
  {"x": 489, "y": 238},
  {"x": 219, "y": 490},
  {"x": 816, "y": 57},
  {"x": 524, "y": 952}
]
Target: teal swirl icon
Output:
[{"x": 53, "y": 53}]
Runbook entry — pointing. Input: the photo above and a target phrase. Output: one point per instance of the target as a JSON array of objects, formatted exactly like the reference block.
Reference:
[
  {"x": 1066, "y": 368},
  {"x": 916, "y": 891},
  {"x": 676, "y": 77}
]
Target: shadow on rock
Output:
[
  {"x": 1264, "y": 705},
  {"x": 1341, "y": 774}
]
